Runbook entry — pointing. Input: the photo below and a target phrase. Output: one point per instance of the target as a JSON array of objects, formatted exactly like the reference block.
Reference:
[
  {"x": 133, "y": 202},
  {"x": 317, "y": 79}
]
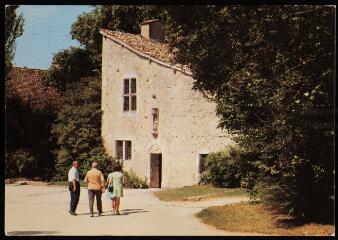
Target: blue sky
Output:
[{"x": 46, "y": 31}]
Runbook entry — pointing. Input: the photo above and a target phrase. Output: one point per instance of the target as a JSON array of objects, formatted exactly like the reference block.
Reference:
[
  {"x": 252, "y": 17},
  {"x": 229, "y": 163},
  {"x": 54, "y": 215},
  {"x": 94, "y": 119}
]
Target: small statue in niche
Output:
[
  {"x": 155, "y": 125},
  {"x": 155, "y": 122}
]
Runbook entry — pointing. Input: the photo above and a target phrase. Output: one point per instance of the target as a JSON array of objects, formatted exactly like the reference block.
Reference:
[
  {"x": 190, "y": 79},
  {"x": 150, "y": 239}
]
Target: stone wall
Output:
[{"x": 187, "y": 122}]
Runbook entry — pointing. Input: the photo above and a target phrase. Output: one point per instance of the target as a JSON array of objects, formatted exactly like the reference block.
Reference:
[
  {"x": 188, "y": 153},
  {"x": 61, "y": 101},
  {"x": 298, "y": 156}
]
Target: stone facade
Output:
[{"x": 187, "y": 123}]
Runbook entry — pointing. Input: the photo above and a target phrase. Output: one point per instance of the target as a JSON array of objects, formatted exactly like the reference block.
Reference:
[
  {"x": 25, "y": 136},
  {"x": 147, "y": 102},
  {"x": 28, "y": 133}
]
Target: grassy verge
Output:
[
  {"x": 65, "y": 183},
  {"x": 249, "y": 217},
  {"x": 198, "y": 192}
]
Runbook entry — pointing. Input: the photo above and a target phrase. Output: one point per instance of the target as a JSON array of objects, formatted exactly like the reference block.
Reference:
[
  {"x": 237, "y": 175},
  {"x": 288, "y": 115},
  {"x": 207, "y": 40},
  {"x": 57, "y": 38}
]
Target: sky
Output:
[{"x": 46, "y": 32}]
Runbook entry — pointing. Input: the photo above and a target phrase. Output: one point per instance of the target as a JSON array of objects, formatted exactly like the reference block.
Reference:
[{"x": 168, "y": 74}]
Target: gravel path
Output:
[{"x": 43, "y": 210}]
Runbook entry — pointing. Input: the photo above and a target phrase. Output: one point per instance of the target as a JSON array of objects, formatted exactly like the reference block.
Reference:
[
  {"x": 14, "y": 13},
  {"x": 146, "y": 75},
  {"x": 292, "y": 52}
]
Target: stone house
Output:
[{"x": 152, "y": 119}]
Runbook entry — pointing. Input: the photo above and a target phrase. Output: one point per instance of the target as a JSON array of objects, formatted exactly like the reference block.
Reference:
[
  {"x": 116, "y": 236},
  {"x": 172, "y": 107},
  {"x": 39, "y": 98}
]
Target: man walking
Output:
[
  {"x": 96, "y": 184},
  {"x": 74, "y": 187}
]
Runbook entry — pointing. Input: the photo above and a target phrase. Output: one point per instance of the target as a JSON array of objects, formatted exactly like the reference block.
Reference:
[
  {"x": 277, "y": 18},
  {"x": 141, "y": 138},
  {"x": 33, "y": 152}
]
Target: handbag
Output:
[{"x": 110, "y": 187}]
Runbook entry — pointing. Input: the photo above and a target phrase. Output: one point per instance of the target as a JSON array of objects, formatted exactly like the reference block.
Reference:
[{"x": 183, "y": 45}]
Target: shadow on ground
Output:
[
  {"x": 29, "y": 233},
  {"x": 122, "y": 212}
]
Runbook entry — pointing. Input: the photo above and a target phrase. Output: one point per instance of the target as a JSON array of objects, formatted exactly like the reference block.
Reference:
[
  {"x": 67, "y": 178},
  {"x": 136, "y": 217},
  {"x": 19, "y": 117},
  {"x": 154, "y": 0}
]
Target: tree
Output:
[
  {"x": 78, "y": 128},
  {"x": 30, "y": 111},
  {"x": 270, "y": 69},
  {"x": 13, "y": 29},
  {"x": 68, "y": 66}
]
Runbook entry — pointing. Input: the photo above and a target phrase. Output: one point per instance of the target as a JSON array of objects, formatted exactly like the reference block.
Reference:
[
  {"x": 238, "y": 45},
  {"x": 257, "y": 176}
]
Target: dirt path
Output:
[{"x": 43, "y": 210}]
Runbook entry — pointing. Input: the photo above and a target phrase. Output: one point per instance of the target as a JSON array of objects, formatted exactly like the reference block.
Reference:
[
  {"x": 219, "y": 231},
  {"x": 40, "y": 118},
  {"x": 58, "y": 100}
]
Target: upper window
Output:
[{"x": 129, "y": 94}]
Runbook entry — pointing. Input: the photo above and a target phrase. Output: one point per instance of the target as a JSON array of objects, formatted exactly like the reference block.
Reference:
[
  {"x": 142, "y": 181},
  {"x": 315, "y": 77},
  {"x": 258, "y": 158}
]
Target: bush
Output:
[
  {"x": 221, "y": 171},
  {"x": 288, "y": 188},
  {"x": 21, "y": 163},
  {"x": 133, "y": 181},
  {"x": 105, "y": 163},
  {"x": 230, "y": 168},
  {"x": 28, "y": 138}
]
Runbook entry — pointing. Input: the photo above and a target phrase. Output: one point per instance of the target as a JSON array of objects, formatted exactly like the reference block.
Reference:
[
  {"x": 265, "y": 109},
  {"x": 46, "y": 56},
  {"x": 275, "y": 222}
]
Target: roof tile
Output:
[{"x": 157, "y": 50}]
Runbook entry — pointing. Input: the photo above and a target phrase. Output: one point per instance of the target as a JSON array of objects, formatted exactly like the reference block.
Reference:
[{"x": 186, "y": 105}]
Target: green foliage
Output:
[
  {"x": 22, "y": 163},
  {"x": 105, "y": 163},
  {"x": 133, "y": 181},
  {"x": 13, "y": 29},
  {"x": 270, "y": 69},
  {"x": 302, "y": 198},
  {"x": 232, "y": 168},
  {"x": 27, "y": 140},
  {"x": 78, "y": 127},
  {"x": 68, "y": 66},
  {"x": 221, "y": 171}
]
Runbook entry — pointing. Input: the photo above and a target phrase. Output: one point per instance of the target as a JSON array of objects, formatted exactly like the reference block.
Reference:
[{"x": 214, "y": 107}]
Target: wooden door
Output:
[{"x": 155, "y": 170}]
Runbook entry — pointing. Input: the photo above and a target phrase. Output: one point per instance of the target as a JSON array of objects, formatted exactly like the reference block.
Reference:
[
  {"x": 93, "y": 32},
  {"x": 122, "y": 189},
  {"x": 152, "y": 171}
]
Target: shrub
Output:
[
  {"x": 105, "y": 163},
  {"x": 288, "y": 188},
  {"x": 221, "y": 170},
  {"x": 230, "y": 168},
  {"x": 133, "y": 181},
  {"x": 22, "y": 162}
]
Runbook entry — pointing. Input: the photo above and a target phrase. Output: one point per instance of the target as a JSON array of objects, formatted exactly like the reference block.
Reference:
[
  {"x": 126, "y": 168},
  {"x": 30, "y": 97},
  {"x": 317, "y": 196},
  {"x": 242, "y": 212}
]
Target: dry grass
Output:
[
  {"x": 249, "y": 217},
  {"x": 202, "y": 191}
]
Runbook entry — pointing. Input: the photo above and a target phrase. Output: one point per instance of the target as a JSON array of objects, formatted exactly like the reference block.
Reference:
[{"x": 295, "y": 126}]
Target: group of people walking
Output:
[{"x": 113, "y": 188}]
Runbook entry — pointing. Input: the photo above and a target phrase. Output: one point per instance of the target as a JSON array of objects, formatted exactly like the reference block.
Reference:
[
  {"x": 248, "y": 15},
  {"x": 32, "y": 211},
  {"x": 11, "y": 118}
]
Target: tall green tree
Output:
[
  {"x": 68, "y": 66},
  {"x": 270, "y": 70},
  {"x": 78, "y": 128},
  {"x": 13, "y": 29}
]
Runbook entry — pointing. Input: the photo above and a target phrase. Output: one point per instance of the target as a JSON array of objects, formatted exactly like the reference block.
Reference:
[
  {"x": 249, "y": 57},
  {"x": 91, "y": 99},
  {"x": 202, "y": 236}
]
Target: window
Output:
[
  {"x": 119, "y": 149},
  {"x": 127, "y": 149},
  {"x": 123, "y": 150},
  {"x": 201, "y": 163},
  {"x": 129, "y": 94}
]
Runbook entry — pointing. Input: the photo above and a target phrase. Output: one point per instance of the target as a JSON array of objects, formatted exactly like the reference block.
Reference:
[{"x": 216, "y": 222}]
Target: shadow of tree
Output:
[
  {"x": 289, "y": 222},
  {"x": 29, "y": 233}
]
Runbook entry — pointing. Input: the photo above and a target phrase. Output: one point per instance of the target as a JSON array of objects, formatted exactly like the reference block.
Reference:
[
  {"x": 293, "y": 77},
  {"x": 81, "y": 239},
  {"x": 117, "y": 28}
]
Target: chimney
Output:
[{"x": 152, "y": 30}]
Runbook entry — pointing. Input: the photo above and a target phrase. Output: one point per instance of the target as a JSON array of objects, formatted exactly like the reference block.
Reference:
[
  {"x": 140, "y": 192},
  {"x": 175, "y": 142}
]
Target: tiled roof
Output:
[
  {"x": 27, "y": 85},
  {"x": 155, "y": 49},
  {"x": 151, "y": 49}
]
